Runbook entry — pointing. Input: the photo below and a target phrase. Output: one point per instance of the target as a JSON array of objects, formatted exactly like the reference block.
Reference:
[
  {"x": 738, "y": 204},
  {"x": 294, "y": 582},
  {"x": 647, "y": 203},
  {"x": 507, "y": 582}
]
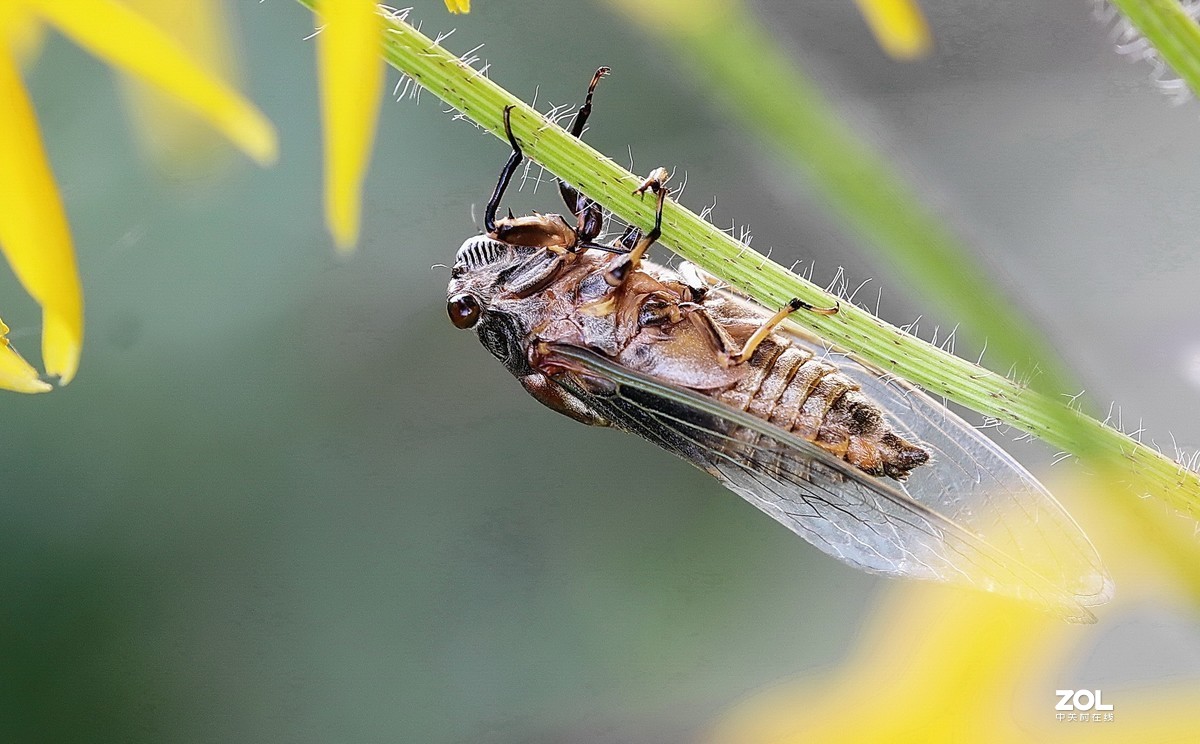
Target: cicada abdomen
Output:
[{"x": 802, "y": 393}]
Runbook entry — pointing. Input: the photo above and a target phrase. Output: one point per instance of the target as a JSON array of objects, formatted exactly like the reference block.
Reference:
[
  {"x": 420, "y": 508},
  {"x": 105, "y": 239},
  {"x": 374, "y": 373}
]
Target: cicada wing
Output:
[
  {"x": 972, "y": 481},
  {"x": 868, "y": 522}
]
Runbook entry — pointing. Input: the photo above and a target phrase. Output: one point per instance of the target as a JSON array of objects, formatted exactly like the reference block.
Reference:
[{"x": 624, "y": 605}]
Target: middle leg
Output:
[{"x": 589, "y": 215}]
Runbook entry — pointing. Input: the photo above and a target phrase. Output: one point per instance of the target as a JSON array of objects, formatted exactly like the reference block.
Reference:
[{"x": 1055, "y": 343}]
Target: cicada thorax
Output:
[{"x": 799, "y": 391}]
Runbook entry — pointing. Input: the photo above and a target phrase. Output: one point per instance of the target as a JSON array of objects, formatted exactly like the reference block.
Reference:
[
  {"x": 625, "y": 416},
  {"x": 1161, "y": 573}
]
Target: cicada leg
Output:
[
  {"x": 589, "y": 215},
  {"x": 628, "y": 239},
  {"x": 623, "y": 244},
  {"x": 727, "y": 358},
  {"x": 506, "y": 174},
  {"x": 547, "y": 231},
  {"x": 622, "y": 266}
]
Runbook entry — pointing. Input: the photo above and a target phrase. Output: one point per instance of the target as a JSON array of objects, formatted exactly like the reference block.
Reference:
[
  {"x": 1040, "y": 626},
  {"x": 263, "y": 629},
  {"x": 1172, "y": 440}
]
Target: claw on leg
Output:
[
  {"x": 654, "y": 182},
  {"x": 585, "y": 110}
]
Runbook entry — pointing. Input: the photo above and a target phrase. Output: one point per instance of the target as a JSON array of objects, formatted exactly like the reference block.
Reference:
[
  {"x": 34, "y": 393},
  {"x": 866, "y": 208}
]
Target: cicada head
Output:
[
  {"x": 486, "y": 286},
  {"x": 474, "y": 278},
  {"x": 488, "y": 271}
]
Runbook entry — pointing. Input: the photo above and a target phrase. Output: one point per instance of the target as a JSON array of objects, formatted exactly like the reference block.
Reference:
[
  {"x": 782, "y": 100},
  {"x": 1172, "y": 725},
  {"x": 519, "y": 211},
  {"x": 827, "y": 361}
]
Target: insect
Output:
[{"x": 864, "y": 466}]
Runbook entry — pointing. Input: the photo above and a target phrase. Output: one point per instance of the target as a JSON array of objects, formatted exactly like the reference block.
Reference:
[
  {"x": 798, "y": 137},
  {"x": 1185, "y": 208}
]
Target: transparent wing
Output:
[
  {"x": 977, "y": 484},
  {"x": 876, "y": 524}
]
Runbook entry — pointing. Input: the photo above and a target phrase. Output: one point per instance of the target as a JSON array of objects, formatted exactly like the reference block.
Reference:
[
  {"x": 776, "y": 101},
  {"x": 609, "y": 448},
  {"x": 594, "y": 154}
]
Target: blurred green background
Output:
[{"x": 286, "y": 500}]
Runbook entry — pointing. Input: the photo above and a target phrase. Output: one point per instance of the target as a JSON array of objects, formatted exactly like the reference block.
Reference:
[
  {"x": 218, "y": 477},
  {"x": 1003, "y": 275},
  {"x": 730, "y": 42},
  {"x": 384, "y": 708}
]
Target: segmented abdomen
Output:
[{"x": 801, "y": 393}]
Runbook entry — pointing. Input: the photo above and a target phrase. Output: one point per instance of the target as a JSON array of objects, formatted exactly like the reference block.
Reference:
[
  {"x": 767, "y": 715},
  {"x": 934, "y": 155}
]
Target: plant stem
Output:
[
  {"x": 1172, "y": 33},
  {"x": 1130, "y": 465}
]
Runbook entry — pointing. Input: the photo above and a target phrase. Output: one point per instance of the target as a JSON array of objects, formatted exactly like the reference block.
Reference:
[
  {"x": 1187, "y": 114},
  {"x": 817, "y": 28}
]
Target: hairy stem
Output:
[{"x": 1171, "y": 32}]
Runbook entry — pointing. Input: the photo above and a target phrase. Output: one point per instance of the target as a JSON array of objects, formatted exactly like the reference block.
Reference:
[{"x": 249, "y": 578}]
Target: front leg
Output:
[
  {"x": 533, "y": 231},
  {"x": 506, "y": 174}
]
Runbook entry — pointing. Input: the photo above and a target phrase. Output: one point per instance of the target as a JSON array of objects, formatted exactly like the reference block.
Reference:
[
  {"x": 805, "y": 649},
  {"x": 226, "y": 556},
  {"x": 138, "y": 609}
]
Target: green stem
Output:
[
  {"x": 1173, "y": 34},
  {"x": 1132, "y": 465}
]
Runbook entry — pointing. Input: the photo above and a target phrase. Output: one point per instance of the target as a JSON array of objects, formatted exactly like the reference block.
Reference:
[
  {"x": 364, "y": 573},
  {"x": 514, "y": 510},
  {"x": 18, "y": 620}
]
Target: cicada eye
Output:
[{"x": 463, "y": 310}]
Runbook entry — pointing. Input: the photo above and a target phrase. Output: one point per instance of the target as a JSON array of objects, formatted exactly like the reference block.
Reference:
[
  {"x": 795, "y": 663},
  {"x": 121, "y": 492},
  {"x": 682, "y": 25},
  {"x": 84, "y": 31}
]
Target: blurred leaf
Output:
[{"x": 769, "y": 93}]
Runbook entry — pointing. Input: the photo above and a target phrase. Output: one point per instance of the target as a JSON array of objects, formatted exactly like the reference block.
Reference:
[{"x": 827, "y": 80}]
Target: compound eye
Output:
[{"x": 463, "y": 310}]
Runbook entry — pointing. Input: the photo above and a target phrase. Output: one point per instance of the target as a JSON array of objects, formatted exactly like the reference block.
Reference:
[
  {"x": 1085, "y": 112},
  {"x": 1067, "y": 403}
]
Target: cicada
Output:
[{"x": 863, "y": 465}]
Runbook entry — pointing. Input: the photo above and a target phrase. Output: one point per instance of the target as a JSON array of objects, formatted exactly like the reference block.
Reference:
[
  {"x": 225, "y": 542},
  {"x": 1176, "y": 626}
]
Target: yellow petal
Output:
[
  {"x": 919, "y": 674},
  {"x": 121, "y": 37},
  {"x": 898, "y": 26},
  {"x": 34, "y": 236},
  {"x": 15, "y": 372},
  {"x": 351, "y": 75},
  {"x": 934, "y": 665},
  {"x": 175, "y": 138},
  {"x": 458, "y": 6},
  {"x": 23, "y": 30}
]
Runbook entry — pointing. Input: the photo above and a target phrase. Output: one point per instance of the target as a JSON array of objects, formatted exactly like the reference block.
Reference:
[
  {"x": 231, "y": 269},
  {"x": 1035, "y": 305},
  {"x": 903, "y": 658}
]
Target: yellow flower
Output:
[
  {"x": 15, "y": 372},
  {"x": 350, "y": 71},
  {"x": 351, "y": 75},
  {"x": 177, "y": 140},
  {"x": 34, "y": 235},
  {"x": 936, "y": 664},
  {"x": 898, "y": 26}
]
